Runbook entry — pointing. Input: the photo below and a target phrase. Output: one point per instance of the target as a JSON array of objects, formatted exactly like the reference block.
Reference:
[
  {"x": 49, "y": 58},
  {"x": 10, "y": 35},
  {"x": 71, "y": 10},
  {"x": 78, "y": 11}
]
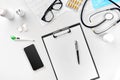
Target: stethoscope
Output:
[{"x": 107, "y": 16}]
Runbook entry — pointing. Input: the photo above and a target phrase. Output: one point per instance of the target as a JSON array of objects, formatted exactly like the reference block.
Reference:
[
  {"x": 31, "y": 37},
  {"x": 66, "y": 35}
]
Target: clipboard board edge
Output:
[
  {"x": 90, "y": 54},
  {"x": 50, "y": 59},
  {"x": 86, "y": 44},
  {"x": 60, "y": 29}
]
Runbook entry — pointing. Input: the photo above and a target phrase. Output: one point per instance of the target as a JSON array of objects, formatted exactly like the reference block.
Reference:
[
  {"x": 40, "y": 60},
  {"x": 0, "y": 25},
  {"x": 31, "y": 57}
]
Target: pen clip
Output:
[
  {"x": 61, "y": 32},
  {"x": 77, "y": 51},
  {"x": 76, "y": 45}
]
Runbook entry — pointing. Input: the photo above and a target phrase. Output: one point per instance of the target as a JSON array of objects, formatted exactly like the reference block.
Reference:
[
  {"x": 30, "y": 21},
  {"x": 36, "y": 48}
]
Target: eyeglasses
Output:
[{"x": 48, "y": 15}]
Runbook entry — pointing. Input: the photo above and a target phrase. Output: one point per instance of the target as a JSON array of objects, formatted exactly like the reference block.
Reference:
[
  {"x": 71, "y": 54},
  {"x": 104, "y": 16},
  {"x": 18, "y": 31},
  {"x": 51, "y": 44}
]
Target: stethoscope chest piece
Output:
[{"x": 108, "y": 16}]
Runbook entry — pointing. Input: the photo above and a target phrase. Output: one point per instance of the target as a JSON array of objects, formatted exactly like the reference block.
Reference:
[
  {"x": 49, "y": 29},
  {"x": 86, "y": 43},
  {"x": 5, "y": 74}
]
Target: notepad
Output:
[
  {"x": 101, "y": 3},
  {"x": 60, "y": 48}
]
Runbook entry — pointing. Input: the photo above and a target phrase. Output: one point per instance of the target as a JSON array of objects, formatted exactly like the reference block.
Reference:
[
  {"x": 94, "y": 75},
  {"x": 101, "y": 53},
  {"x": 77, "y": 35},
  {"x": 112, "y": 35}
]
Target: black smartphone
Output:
[{"x": 33, "y": 57}]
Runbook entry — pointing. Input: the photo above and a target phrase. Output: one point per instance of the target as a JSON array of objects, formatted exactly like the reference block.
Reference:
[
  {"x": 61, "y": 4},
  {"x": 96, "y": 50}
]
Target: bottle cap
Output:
[
  {"x": 3, "y": 12},
  {"x": 108, "y": 38},
  {"x": 13, "y": 38}
]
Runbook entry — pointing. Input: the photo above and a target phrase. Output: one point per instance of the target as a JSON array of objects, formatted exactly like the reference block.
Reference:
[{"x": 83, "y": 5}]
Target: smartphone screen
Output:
[{"x": 33, "y": 57}]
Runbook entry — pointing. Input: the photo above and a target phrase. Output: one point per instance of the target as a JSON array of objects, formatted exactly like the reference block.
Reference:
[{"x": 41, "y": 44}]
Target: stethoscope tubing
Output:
[{"x": 81, "y": 17}]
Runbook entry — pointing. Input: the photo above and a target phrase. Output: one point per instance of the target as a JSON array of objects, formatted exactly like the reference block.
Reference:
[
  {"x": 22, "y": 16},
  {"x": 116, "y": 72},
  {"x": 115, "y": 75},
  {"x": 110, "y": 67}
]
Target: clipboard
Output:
[{"x": 61, "y": 52}]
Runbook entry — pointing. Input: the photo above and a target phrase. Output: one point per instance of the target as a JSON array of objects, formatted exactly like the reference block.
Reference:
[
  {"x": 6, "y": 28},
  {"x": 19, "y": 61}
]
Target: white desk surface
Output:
[{"x": 13, "y": 61}]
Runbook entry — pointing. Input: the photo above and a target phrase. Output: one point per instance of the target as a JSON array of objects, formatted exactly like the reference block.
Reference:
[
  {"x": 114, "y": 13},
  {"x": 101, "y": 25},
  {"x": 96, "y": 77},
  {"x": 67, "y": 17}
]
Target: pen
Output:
[{"x": 77, "y": 51}]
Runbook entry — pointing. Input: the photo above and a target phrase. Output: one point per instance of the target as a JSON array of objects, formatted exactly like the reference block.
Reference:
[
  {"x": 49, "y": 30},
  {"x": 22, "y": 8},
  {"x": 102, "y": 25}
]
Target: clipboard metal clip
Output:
[{"x": 61, "y": 32}]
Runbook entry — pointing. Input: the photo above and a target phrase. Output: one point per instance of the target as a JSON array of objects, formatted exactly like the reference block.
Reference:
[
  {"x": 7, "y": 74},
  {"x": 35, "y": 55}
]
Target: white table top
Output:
[{"x": 13, "y": 61}]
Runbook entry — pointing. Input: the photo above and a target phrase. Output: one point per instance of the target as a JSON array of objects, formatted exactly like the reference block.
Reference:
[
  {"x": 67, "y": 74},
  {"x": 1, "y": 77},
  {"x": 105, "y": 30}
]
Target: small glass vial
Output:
[{"x": 20, "y": 13}]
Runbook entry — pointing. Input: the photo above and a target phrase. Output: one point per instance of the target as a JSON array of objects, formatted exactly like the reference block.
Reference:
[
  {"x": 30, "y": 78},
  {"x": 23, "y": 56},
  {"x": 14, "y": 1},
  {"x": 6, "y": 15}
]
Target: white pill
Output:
[
  {"x": 25, "y": 28},
  {"x": 20, "y": 29}
]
